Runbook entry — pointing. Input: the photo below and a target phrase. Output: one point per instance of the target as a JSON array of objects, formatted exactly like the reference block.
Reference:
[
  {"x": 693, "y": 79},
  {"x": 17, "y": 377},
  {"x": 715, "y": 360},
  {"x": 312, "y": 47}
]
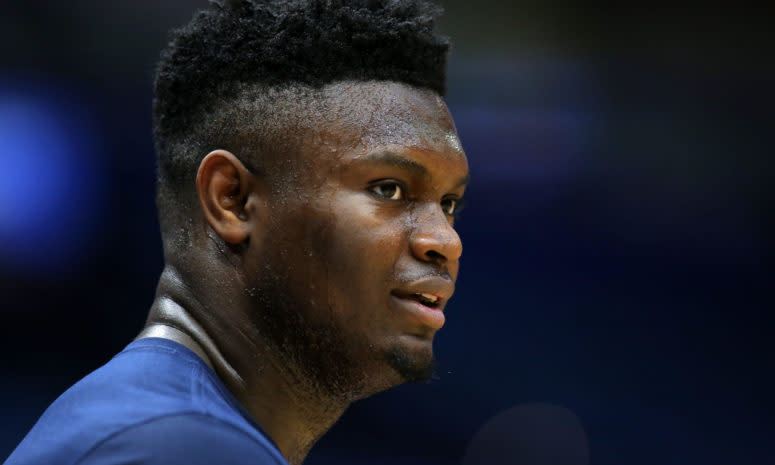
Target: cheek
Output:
[{"x": 363, "y": 245}]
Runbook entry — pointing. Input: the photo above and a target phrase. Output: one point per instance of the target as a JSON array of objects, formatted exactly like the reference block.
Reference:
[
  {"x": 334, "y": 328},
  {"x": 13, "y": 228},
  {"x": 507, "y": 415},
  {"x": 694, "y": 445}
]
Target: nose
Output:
[{"x": 433, "y": 238}]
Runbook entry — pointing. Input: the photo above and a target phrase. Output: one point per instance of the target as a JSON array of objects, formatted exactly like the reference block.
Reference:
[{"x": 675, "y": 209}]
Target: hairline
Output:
[{"x": 289, "y": 98}]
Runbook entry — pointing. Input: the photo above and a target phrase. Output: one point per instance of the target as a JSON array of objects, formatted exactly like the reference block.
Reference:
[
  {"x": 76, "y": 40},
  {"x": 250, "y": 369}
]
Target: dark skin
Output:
[{"x": 327, "y": 283}]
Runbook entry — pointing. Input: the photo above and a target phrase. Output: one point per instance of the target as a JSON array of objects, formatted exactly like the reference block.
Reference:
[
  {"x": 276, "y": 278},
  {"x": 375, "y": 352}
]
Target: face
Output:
[{"x": 361, "y": 255}]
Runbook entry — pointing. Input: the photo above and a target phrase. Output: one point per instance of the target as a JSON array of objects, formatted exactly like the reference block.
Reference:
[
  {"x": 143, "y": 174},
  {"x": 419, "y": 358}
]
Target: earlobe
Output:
[{"x": 223, "y": 184}]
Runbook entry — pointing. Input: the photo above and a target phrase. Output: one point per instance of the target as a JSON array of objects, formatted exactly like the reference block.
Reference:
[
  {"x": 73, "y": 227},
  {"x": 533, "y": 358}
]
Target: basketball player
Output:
[{"x": 309, "y": 175}]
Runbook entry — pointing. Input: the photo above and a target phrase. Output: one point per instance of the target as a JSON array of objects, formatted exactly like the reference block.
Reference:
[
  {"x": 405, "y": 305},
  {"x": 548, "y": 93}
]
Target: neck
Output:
[{"x": 294, "y": 415}]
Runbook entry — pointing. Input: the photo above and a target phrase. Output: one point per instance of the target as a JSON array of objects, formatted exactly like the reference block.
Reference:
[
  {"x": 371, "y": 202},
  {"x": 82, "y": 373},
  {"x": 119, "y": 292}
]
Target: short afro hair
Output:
[{"x": 227, "y": 76}]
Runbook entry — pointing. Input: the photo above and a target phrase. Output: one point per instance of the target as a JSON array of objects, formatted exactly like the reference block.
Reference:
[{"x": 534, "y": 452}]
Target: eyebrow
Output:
[
  {"x": 463, "y": 181},
  {"x": 387, "y": 157}
]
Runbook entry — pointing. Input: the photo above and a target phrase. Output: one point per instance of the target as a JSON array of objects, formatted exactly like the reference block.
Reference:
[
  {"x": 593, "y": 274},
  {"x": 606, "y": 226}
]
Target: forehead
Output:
[{"x": 366, "y": 115}]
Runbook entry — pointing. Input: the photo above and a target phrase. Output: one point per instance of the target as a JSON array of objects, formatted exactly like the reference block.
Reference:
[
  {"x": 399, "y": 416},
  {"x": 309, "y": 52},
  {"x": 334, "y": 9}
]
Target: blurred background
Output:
[{"x": 618, "y": 232}]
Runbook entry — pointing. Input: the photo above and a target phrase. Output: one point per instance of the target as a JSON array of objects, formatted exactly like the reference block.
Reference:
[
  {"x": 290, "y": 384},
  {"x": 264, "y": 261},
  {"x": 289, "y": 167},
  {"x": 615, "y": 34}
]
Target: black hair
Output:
[{"x": 255, "y": 55}]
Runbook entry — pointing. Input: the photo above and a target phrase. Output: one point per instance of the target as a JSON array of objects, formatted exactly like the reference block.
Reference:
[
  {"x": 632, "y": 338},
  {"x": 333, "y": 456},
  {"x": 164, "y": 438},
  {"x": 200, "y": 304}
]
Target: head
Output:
[{"x": 309, "y": 177}]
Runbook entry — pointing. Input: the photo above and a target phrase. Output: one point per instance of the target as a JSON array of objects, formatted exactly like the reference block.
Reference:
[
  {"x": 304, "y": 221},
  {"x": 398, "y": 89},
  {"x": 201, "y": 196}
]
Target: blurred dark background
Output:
[{"x": 618, "y": 235}]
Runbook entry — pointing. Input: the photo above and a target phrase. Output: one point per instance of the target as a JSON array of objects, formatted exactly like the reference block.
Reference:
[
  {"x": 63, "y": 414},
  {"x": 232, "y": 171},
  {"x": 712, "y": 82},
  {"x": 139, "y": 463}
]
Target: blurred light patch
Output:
[
  {"x": 50, "y": 184},
  {"x": 535, "y": 123}
]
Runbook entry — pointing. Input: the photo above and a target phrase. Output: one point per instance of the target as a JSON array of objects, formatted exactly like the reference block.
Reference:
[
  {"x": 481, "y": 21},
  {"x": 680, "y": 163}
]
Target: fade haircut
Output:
[{"x": 238, "y": 75}]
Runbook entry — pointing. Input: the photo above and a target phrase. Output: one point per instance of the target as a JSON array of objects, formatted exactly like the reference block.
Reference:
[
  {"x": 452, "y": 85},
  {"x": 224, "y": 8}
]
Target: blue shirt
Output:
[{"x": 156, "y": 402}]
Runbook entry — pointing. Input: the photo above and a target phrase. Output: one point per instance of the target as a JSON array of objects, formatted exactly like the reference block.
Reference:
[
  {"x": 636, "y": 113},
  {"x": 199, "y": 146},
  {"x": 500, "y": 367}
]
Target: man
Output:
[{"x": 309, "y": 177}]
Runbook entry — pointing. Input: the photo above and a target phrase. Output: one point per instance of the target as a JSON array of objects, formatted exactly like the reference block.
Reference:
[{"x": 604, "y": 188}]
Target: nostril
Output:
[{"x": 433, "y": 255}]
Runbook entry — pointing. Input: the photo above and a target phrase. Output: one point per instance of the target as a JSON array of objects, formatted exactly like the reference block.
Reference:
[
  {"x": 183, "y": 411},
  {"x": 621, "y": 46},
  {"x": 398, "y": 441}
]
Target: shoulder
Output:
[{"x": 190, "y": 439}]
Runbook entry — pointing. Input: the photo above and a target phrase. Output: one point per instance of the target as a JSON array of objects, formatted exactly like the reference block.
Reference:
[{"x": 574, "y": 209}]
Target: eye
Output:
[
  {"x": 451, "y": 206},
  {"x": 390, "y": 190}
]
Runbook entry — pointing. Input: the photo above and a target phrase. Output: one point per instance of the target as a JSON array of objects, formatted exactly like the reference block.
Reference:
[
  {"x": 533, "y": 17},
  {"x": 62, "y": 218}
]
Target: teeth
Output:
[{"x": 429, "y": 297}]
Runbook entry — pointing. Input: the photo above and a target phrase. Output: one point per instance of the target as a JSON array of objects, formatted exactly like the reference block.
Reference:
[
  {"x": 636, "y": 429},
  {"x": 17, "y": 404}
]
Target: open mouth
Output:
[
  {"x": 429, "y": 300},
  {"x": 422, "y": 307}
]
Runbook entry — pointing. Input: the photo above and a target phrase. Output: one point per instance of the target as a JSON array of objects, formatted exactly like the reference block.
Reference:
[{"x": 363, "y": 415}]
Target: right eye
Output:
[{"x": 390, "y": 190}]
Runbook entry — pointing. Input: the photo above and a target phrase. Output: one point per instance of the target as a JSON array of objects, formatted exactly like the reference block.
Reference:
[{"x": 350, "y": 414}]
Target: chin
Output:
[{"x": 412, "y": 366}]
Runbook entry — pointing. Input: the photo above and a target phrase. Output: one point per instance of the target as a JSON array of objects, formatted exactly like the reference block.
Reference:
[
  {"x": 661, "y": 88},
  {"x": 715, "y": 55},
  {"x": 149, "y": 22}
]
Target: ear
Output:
[{"x": 223, "y": 185}]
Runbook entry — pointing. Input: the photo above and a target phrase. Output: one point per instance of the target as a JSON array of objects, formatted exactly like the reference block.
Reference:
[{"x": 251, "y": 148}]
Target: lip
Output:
[
  {"x": 428, "y": 316},
  {"x": 432, "y": 317},
  {"x": 440, "y": 287}
]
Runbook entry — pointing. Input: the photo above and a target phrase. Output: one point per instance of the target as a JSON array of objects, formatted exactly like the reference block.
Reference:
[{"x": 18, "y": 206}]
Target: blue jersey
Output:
[{"x": 156, "y": 402}]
